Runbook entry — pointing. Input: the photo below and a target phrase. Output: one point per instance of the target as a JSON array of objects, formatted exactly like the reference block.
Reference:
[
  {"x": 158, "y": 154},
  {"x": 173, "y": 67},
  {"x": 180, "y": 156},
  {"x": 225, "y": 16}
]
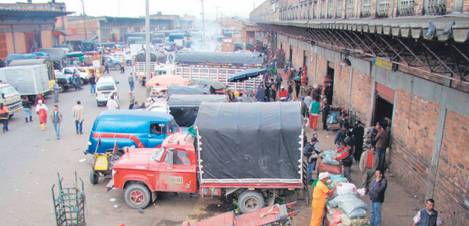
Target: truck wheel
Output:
[
  {"x": 250, "y": 201},
  {"x": 137, "y": 196},
  {"x": 94, "y": 177}
]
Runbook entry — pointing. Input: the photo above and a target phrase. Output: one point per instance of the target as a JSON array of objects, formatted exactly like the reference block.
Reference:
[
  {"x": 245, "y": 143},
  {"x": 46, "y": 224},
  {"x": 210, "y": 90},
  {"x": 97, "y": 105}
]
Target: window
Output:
[
  {"x": 173, "y": 127},
  {"x": 177, "y": 157},
  {"x": 157, "y": 128},
  {"x": 181, "y": 158}
]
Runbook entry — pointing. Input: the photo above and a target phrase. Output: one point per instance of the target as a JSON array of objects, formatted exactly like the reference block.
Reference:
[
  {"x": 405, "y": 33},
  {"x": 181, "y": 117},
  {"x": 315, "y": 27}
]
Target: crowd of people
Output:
[{"x": 288, "y": 84}]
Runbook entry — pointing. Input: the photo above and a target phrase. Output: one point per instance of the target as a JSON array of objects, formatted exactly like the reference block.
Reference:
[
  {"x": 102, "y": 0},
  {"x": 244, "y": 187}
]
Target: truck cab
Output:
[
  {"x": 10, "y": 97},
  {"x": 170, "y": 168},
  {"x": 126, "y": 128}
]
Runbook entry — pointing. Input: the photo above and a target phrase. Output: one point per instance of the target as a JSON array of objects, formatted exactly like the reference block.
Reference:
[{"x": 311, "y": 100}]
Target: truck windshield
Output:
[
  {"x": 157, "y": 155},
  {"x": 7, "y": 90}
]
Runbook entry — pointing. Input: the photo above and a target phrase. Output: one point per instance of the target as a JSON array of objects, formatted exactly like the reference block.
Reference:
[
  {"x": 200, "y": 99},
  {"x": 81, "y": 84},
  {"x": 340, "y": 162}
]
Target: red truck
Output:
[{"x": 253, "y": 157}]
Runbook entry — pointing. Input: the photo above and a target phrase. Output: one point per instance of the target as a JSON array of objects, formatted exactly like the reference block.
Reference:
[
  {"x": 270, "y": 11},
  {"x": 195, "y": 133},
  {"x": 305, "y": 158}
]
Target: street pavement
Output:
[{"x": 31, "y": 158}]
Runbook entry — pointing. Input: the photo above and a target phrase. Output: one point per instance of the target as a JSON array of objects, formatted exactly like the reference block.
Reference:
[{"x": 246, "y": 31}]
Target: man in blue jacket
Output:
[{"x": 376, "y": 194}]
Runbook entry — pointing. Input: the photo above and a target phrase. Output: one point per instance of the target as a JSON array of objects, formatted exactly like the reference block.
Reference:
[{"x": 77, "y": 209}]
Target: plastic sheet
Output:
[
  {"x": 328, "y": 157},
  {"x": 346, "y": 188},
  {"x": 350, "y": 204}
]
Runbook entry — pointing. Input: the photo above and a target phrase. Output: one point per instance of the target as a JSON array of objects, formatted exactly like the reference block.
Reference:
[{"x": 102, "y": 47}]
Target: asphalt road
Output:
[{"x": 31, "y": 158}]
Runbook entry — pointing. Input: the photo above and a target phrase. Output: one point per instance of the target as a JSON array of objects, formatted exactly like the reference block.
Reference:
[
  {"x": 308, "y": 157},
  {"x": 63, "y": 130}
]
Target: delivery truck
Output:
[
  {"x": 247, "y": 152},
  {"x": 28, "y": 80}
]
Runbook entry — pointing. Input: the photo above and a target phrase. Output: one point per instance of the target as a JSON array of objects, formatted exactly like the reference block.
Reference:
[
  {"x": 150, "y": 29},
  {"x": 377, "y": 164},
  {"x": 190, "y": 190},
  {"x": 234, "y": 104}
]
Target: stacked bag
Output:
[
  {"x": 346, "y": 208},
  {"x": 328, "y": 163}
]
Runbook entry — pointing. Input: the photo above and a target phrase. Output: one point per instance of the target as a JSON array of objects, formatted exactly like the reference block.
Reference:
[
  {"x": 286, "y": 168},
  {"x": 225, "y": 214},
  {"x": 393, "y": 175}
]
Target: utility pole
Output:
[
  {"x": 203, "y": 24},
  {"x": 84, "y": 19},
  {"x": 147, "y": 39}
]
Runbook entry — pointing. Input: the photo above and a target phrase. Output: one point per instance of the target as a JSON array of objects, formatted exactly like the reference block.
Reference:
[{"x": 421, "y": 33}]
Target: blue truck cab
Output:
[{"x": 126, "y": 128}]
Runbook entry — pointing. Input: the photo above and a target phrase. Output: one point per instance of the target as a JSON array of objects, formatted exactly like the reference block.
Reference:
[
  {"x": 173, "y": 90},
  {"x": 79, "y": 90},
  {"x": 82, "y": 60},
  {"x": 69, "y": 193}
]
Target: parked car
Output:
[
  {"x": 84, "y": 76},
  {"x": 105, "y": 88},
  {"x": 65, "y": 81},
  {"x": 249, "y": 152}
]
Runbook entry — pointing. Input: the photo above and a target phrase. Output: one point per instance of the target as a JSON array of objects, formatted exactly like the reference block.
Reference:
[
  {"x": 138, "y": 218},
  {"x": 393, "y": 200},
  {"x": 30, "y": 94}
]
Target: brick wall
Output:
[
  {"x": 361, "y": 95},
  {"x": 341, "y": 81},
  {"x": 415, "y": 123},
  {"x": 453, "y": 170}
]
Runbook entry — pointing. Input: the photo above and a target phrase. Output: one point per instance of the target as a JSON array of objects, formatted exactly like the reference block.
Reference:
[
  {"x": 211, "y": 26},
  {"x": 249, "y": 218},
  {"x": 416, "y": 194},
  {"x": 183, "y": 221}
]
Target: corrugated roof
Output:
[
  {"x": 8, "y": 13},
  {"x": 407, "y": 27},
  {"x": 219, "y": 58}
]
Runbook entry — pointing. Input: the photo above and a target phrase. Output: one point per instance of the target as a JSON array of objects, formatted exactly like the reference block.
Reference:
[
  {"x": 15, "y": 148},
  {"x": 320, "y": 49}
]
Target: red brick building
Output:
[
  {"x": 26, "y": 26},
  {"x": 406, "y": 60}
]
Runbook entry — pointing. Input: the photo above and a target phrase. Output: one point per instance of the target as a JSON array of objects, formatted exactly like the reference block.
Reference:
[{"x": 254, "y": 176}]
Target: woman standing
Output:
[
  {"x": 314, "y": 113},
  {"x": 41, "y": 111}
]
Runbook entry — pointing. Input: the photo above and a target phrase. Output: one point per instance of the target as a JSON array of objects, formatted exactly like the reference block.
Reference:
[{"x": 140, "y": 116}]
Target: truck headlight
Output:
[
  {"x": 113, "y": 173},
  {"x": 89, "y": 143}
]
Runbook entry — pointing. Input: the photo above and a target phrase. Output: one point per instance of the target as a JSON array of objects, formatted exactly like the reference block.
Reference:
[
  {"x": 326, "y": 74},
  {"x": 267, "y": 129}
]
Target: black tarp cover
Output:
[
  {"x": 250, "y": 141},
  {"x": 184, "y": 108},
  {"x": 195, "y": 89}
]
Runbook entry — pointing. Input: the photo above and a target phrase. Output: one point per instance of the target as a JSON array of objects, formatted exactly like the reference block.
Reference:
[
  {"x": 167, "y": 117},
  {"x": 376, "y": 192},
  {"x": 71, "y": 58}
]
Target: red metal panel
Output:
[{"x": 385, "y": 92}]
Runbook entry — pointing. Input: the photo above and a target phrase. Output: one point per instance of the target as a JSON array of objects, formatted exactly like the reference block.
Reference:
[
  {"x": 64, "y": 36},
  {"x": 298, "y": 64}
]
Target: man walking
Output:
[
  {"x": 368, "y": 165},
  {"x": 4, "y": 116},
  {"x": 56, "y": 92},
  {"x": 92, "y": 81},
  {"x": 27, "y": 104},
  {"x": 41, "y": 111},
  {"x": 427, "y": 216},
  {"x": 56, "y": 118},
  {"x": 381, "y": 141},
  {"x": 131, "y": 82},
  {"x": 112, "y": 103},
  {"x": 376, "y": 194},
  {"x": 78, "y": 117}
]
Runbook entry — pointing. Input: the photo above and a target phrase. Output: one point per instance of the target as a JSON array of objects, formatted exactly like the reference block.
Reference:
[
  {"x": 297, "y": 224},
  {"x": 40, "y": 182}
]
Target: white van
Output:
[{"x": 105, "y": 88}]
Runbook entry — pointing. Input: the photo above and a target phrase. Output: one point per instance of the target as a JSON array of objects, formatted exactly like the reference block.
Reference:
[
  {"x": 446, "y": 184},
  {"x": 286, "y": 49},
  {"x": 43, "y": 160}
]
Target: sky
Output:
[{"x": 136, "y": 8}]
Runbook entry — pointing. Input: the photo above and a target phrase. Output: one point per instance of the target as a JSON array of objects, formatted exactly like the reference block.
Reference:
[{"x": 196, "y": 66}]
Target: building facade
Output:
[
  {"x": 405, "y": 60},
  {"x": 25, "y": 27}
]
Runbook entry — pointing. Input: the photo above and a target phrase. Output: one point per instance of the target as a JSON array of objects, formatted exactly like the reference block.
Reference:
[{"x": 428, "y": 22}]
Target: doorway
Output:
[
  {"x": 383, "y": 109},
  {"x": 329, "y": 83}
]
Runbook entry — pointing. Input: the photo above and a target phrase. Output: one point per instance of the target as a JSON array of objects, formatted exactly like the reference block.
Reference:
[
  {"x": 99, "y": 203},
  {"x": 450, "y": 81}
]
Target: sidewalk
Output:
[{"x": 399, "y": 207}]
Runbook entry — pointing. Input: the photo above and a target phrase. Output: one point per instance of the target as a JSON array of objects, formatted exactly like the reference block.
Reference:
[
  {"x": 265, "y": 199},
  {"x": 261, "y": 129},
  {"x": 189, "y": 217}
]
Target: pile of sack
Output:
[
  {"x": 328, "y": 162},
  {"x": 346, "y": 208}
]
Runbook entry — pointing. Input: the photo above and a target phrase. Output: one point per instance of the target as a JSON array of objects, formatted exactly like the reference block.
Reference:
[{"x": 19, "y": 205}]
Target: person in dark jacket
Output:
[
  {"x": 377, "y": 189},
  {"x": 340, "y": 136},
  {"x": 325, "y": 112},
  {"x": 27, "y": 104},
  {"x": 358, "y": 133},
  {"x": 427, "y": 216},
  {"x": 92, "y": 82},
  {"x": 311, "y": 152}
]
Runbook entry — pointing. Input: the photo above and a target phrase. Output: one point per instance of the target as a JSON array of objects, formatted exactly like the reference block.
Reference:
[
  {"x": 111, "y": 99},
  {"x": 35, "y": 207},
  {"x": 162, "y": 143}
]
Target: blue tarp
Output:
[{"x": 247, "y": 74}]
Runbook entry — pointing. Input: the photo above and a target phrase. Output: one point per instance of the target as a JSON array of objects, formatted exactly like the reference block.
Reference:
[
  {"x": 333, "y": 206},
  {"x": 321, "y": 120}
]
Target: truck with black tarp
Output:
[
  {"x": 247, "y": 152},
  {"x": 184, "y": 107}
]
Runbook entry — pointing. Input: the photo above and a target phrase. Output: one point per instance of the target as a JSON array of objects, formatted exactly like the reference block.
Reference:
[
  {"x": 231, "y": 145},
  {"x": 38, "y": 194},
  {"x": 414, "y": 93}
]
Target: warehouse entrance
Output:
[{"x": 383, "y": 103}]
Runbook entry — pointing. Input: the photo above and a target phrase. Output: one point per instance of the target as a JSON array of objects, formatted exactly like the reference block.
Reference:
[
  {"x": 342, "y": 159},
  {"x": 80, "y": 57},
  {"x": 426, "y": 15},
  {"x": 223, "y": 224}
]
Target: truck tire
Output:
[
  {"x": 249, "y": 201},
  {"x": 94, "y": 177},
  {"x": 137, "y": 196}
]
